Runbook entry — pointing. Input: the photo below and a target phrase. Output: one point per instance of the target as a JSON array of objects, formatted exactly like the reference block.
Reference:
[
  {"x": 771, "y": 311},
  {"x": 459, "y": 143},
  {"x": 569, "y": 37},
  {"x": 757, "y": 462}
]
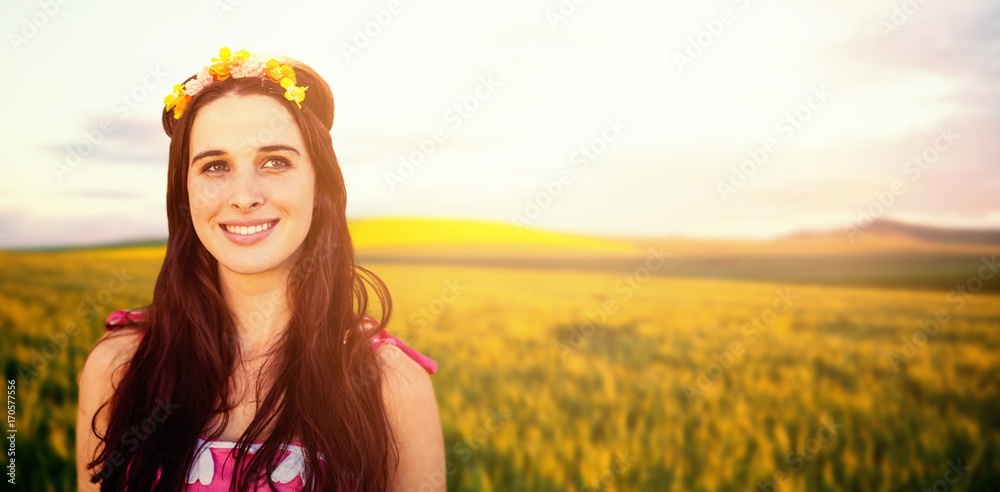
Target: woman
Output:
[{"x": 255, "y": 365}]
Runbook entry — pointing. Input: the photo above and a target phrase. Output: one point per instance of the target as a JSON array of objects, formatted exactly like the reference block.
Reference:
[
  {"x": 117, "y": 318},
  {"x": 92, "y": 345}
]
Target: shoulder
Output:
[
  {"x": 411, "y": 408},
  {"x": 110, "y": 352},
  {"x": 97, "y": 381},
  {"x": 124, "y": 330},
  {"x": 406, "y": 385},
  {"x": 402, "y": 375},
  {"x": 115, "y": 347}
]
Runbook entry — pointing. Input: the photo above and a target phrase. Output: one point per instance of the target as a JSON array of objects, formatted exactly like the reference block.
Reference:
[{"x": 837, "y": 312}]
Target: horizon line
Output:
[{"x": 162, "y": 241}]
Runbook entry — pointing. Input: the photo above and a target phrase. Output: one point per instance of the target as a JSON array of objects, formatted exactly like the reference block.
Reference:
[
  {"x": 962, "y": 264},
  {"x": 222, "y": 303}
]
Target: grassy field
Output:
[{"x": 569, "y": 380}]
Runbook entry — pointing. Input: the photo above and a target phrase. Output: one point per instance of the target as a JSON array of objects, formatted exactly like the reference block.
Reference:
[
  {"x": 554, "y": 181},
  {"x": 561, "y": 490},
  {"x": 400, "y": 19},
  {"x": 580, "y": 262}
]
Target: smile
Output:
[
  {"x": 244, "y": 230},
  {"x": 249, "y": 232}
]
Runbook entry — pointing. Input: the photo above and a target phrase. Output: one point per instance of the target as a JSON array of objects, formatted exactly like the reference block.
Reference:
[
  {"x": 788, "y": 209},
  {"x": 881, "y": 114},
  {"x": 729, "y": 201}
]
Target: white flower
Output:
[
  {"x": 251, "y": 67},
  {"x": 195, "y": 85}
]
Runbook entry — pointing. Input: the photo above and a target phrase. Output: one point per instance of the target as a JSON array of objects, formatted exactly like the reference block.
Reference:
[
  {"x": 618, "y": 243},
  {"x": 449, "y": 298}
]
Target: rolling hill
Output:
[{"x": 887, "y": 254}]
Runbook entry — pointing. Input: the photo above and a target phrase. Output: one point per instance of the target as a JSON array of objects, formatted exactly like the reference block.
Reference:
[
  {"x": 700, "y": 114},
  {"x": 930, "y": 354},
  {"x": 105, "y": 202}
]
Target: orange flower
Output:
[
  {"x": 235, "y": 65},
  {"x": 276, "y": 71},
  {"x": 219, "y": 71}
]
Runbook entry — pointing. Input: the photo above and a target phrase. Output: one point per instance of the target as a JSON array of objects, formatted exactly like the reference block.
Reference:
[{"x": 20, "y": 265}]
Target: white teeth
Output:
[{"x": 247, "y": 230}]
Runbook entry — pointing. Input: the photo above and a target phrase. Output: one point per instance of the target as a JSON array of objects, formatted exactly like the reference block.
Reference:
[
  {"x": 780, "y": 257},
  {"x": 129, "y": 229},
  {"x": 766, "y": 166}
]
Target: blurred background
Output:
[{"x": 731, "y": 245}]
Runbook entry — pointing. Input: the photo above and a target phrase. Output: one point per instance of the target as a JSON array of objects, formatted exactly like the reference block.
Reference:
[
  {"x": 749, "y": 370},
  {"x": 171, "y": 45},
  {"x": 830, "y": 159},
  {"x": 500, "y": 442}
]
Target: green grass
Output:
[{"x": 585, "y": 403}]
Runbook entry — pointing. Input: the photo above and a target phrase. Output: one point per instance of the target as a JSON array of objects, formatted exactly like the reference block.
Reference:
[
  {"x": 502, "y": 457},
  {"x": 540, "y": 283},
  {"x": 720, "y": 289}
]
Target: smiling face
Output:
[{"x": 250, "y": 183}]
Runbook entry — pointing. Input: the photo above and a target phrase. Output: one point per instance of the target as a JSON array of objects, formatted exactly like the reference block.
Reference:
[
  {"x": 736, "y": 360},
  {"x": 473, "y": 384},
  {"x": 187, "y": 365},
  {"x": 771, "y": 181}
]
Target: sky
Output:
[{"x": 723, "y": 119}]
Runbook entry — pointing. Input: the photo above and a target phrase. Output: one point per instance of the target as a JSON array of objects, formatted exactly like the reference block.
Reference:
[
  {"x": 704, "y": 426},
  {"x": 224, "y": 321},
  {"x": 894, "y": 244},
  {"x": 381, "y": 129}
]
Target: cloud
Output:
[
  {"x": 129, "y": 141},
  {"x": 557, "y": 85}
]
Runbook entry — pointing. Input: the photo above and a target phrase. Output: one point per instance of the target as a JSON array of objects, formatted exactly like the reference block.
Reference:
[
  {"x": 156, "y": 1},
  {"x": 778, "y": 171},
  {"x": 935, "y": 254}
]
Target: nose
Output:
[{"x": 247, "y": 191}]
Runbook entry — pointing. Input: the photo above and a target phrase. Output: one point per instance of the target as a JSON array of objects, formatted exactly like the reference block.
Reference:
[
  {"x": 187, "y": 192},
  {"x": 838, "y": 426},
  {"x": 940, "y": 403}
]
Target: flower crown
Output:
[{"x": 236, "y": 65}]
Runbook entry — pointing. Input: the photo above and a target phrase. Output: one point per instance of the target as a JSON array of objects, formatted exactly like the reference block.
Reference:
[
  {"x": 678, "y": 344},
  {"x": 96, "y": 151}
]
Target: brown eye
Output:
[
  {"x": 276, "y": 163},
  {"x": 214, "y": 167}
]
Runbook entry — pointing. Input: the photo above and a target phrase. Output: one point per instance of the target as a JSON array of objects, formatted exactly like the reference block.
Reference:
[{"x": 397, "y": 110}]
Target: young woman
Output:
[{"x": 256, "y": 365}]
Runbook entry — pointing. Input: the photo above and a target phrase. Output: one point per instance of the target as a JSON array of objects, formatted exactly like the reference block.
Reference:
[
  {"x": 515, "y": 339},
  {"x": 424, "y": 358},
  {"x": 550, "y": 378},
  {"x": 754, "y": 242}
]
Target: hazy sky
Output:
[{"x": 667, "y": 98}]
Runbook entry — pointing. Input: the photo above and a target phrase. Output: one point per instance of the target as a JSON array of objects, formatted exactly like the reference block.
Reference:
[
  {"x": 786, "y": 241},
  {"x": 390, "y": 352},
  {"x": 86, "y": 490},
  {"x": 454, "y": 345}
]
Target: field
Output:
[{"x": 571, "y": 380}]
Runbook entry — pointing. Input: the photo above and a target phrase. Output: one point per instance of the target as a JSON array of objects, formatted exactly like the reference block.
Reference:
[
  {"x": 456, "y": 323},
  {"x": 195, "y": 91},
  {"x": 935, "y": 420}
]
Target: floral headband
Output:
[{"x": 236, "y": 65}]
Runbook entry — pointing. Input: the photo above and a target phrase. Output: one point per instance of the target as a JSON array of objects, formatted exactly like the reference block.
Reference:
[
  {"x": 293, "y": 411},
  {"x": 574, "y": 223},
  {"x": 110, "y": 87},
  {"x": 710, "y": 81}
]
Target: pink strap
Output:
[
  {"x": 126, "y": 317},
  {"x": 429, "y": 365}
]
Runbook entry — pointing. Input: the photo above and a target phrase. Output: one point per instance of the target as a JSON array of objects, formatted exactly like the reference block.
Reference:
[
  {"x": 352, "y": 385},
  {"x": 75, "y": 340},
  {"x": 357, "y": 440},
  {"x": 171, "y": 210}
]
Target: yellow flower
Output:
[
  {"x": 181, "y": 106},
  {"x": 220, "y": 69},
  {"x": 293, "y": 92},
  {"x": 171, "y": 98},
  {"x": 224, "y": 54},
  {"x": 235, "y": 65},
  {"x": 177, "y": 101},
  {"x": 241, "y": 55},
  {"x": 276, "y": 71}
]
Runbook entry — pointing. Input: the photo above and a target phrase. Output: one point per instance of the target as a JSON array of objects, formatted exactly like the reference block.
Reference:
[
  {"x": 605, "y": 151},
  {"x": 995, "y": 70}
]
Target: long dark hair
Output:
[{"x": 326, "y": 387}]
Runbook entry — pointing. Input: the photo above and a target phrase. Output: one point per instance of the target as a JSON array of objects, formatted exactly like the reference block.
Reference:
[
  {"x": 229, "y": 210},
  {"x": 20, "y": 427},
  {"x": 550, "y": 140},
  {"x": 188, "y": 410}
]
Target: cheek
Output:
[
  {"x": 200, "y": 202},
  {"x": 307, "y": 199},
  {"x": 203, "y": 194},
  {"x": 303, "y": 206}
]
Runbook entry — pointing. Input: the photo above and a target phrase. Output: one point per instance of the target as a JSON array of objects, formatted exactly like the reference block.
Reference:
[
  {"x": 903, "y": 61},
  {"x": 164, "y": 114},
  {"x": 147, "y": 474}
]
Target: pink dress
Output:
[{"x": 212, "y": 469}]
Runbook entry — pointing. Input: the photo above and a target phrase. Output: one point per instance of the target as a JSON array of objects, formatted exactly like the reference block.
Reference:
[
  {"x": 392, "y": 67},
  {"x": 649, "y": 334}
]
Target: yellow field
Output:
[
  {"x": 582, "y": 381},
  {"x": 407, "y": 231}
]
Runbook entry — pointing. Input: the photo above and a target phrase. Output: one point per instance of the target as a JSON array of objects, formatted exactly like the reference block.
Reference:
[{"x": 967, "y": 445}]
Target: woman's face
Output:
[{"x": 250, "y": 183}]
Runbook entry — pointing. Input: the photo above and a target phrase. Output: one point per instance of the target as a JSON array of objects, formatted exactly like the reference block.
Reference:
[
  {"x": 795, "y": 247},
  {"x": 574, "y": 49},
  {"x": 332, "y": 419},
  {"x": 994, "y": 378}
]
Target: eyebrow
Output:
[{"x": 260, "y": 150}]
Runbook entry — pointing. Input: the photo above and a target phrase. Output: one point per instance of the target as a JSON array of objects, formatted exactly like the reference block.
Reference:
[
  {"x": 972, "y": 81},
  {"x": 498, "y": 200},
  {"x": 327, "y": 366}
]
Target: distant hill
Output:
[
  {"x": 887, "y": 254},
  {"x": 883, "y": 236},
  {"x": 988, "y": 237}
]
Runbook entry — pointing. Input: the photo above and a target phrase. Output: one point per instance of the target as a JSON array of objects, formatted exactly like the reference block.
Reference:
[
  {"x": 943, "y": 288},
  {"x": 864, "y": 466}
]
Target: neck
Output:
[{"x": 259, "y": 305}]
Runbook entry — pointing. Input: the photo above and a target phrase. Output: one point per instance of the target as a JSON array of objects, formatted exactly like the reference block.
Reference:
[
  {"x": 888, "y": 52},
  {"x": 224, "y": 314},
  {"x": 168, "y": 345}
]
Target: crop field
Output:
[{"x": 627, "y": 380}]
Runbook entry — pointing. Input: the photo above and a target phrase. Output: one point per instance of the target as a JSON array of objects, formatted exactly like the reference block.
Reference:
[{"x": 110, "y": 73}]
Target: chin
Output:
[
  {"x": 250, "y": 266},
  {"x": 256, "y": 259},
  {"x": 246, "y": 269}
]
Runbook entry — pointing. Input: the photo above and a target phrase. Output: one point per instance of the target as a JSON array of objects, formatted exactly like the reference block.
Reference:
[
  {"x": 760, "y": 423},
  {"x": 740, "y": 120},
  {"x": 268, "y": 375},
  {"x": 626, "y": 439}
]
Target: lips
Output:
[{"x": 247, "y": 232}]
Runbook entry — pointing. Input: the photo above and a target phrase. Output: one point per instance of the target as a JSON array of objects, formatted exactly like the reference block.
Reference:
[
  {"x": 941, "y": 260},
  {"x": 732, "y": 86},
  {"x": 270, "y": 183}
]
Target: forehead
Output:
[{"x": 234, "y": 123}]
